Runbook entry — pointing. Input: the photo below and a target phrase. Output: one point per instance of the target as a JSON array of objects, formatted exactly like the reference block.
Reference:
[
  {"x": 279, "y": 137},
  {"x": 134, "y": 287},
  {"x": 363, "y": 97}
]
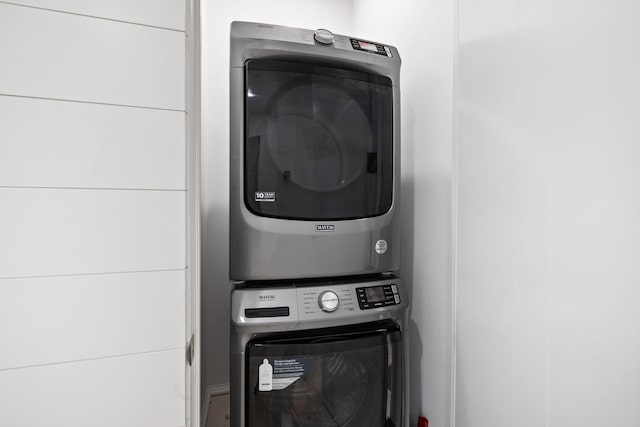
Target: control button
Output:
[
  {"x": 323, "y": 36},
  {"x": 328, "y": 301},
  {"x": 394, "y": 288},
  {"x": 397, "y": 298}
]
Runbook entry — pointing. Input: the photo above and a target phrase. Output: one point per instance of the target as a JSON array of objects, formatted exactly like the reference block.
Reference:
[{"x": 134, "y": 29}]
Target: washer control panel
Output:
[
  {"x": 324, "y": 301},
  {"x": 370, "y": 47},
  {"x": 377, "y": 296}
]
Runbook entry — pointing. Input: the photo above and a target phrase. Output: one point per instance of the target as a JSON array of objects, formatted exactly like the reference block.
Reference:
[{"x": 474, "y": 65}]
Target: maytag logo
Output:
[
  {"x": 325, "y": 227},
  {"x": 266, "y": 297}
]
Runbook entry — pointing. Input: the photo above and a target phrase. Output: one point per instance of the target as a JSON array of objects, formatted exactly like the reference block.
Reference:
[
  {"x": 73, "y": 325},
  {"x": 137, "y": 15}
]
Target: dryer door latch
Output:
[{"x": 191, "y": 350}]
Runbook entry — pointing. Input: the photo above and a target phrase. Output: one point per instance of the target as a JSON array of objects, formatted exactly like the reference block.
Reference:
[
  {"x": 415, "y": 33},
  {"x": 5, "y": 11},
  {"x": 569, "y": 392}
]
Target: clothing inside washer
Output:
[{"x": 332, "y": 394}]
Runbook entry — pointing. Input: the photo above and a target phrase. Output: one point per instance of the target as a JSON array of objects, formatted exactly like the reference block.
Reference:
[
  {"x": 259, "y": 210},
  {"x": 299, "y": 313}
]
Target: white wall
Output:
[
  {"x": 423, "y": 33},
  {"x": 548, "y": 328},
  {"x": 92, "y": 213},
  {"x": 216, "y": 19}
]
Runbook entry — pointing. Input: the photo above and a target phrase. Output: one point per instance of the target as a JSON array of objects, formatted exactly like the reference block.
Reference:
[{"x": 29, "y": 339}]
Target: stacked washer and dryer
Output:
[{"x": 318, "y": 318}]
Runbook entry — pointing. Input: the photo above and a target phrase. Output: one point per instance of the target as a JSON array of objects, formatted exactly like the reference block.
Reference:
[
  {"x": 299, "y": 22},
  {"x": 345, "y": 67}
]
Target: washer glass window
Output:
[
  {"x": 318, "y": 142},
  {"x": 347, "y": 377}
]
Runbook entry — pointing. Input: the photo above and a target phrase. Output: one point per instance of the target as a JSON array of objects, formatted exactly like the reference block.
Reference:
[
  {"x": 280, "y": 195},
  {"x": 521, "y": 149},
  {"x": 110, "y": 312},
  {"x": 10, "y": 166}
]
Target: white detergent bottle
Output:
[{"x": 265, "y": 381}]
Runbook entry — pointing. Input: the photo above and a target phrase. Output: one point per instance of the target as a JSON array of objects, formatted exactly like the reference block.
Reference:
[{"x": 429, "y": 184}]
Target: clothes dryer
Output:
[
  {"x": 330, "y": 353},
  {"x": 315, "y": 155}
]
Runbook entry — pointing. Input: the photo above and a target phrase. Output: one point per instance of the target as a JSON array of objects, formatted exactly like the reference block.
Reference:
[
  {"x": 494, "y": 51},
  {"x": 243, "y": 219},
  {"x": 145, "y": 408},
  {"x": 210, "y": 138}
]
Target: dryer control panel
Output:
[
  {"x": 371, "y": 47},
  {"x": 249, "y": 39},
  {"x": 378, "y": 296}
]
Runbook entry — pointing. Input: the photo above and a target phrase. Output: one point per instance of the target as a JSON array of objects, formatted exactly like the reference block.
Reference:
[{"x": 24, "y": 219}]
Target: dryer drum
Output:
[{"x": 298, "y": 136}]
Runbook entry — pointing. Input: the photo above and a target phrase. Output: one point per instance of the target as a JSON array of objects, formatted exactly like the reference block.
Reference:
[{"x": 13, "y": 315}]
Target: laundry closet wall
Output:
[
  {"x": 335, "y": 15},
  {"x": 423, "y": 33},
  {"x": 548, "y": 314}
]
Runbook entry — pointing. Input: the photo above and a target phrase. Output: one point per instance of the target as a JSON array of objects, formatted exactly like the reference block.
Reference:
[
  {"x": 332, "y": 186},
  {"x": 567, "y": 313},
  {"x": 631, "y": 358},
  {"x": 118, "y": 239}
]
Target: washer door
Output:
[
  {"x": 347, "y": 376},
  {"x": 319, "y": 142}
]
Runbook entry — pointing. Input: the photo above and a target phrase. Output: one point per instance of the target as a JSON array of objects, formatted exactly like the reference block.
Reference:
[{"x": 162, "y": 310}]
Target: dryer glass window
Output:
[
  {"x": 338, "y": 377},
  {"x": 318, "y": 142}
]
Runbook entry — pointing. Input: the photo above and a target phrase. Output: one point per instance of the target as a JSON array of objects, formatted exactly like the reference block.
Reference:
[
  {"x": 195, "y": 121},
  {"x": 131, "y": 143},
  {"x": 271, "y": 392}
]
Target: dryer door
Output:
[
  {"x": 318, "y": 142},
  {"x": 348, "y": 376}
]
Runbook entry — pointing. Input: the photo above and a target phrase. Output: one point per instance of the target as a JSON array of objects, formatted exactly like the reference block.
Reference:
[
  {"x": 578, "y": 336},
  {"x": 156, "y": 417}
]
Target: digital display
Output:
[
  {"x": 368, "y": 46},
  {"x": 375, "y": 295}
]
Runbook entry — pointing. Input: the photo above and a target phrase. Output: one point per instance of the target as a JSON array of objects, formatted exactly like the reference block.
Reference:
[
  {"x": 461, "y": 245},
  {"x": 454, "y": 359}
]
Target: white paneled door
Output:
[
  {"x": 168, "y": 14},
  {"x": 49, "y": 143},
  {"x": 96, "y": 205},
  {"x": 59, "y": 55},
  {"x": 143, "y": 390},
  {"x": 89, "y": 306},
  {"x": 57, "y": 231}
]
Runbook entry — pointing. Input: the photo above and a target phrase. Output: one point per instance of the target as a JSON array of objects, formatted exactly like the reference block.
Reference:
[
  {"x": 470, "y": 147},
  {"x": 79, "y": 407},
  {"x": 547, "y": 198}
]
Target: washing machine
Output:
[
  {"x": 315, "y": 154},
  {"x": 329, "y": 353}
]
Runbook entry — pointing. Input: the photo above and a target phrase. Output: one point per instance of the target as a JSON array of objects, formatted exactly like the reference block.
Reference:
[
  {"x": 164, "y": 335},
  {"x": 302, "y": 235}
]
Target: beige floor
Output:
[{"x": 219, "y": 411}]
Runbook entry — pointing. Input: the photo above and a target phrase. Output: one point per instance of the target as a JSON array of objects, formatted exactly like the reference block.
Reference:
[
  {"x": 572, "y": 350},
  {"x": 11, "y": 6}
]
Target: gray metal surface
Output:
[
  {"x": 264, "y": 248},
  {"x": 305, "y": 314},
  {"x": 251, "y": 40}
]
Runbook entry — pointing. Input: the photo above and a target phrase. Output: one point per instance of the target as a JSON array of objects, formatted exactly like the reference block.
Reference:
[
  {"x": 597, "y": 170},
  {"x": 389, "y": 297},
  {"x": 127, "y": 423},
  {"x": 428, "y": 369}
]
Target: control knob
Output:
[
  {"x": 328, "y": 301},
  {"x": 323, "y": 36}
]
